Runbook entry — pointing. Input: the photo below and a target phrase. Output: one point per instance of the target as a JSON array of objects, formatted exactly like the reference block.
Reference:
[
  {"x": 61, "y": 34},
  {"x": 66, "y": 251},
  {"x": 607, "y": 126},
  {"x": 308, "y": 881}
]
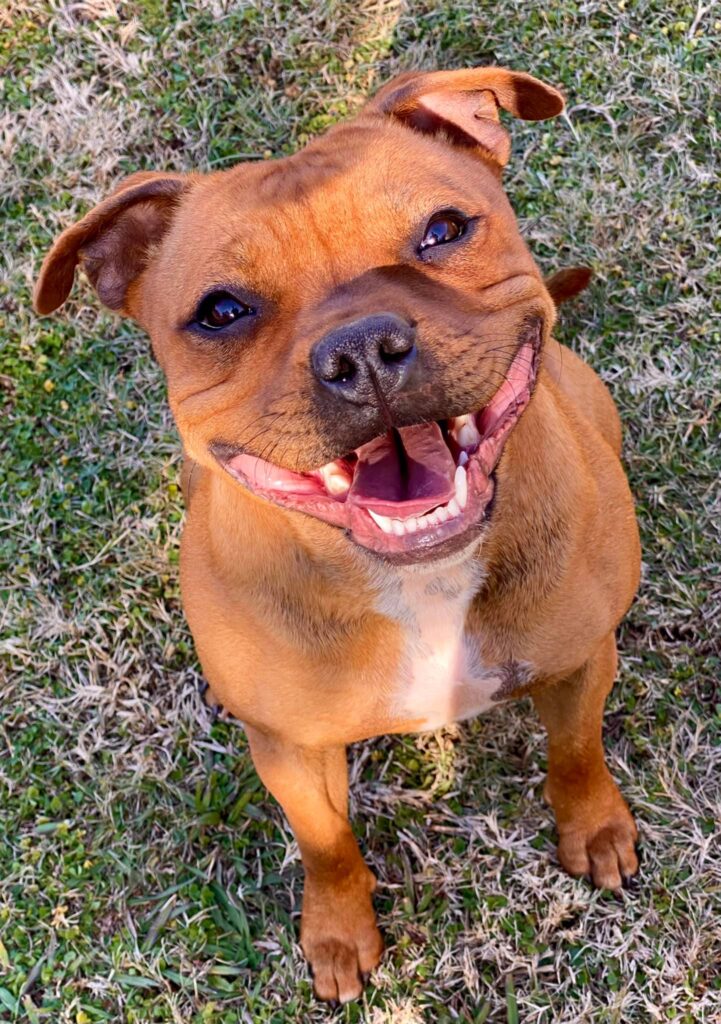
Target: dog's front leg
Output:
[
  {"x": 338, "y": 933},
  {"x": 597, "y": 834}
]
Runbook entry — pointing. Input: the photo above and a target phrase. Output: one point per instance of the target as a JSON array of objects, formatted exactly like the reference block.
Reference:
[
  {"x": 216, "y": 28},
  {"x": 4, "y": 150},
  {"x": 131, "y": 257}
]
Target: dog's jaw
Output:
[{"x": 415, "y": 493}]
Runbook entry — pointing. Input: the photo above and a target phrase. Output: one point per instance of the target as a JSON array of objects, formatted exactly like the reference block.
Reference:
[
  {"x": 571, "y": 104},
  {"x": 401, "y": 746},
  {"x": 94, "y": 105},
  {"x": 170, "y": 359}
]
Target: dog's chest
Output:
[{"x": 442, "y": 677}]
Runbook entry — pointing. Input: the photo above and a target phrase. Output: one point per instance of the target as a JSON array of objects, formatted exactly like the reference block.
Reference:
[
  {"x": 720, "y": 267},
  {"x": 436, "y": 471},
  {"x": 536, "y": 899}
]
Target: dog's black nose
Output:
[{"x": 373, "y": 355}]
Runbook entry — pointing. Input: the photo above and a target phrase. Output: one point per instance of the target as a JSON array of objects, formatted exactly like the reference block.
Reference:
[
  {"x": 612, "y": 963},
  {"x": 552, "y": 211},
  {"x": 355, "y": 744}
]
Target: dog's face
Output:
[{"x": 350, "y": 332}]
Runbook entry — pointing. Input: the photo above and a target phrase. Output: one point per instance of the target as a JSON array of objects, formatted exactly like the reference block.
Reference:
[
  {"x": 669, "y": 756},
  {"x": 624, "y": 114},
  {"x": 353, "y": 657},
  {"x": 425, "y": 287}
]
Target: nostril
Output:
[
  {"x": 395, "y": 349},
  {"x": 345, "y": 371},
  {"x": 332, "y": 365}
]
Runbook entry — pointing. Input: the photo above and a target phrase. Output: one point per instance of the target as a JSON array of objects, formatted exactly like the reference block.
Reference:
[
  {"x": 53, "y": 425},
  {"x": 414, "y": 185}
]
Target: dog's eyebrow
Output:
[
  {"x": 406, "y": 198},
  {"x": 232, "y": 246}
]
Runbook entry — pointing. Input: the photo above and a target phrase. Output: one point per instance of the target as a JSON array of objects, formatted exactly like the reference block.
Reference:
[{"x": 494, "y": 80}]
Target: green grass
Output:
[{"x": 144, "y": 873}]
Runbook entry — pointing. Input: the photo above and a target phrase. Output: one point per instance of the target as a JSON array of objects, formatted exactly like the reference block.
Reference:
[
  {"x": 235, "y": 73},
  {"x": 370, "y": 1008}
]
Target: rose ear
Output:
[
  {"x": 111, "y": 242},
  {"x": 567, "y": 283},
  {"x": 464, "y": 105}
]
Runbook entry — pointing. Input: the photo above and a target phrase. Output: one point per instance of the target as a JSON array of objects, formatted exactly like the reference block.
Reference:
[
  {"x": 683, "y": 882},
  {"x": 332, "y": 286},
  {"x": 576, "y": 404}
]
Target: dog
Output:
[{"x": 405, "y": 502}]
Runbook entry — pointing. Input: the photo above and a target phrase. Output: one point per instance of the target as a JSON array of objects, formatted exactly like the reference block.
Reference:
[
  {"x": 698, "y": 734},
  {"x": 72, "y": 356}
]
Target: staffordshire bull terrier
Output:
[{"x": 405, "y": 500}]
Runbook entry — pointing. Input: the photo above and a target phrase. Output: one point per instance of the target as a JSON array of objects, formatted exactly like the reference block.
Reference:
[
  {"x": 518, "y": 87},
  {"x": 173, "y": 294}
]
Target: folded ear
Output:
[
  {"x": 566, "y": 284},
  {"x": 111, "y": 243},
  {"x": 464, "y": 105}
]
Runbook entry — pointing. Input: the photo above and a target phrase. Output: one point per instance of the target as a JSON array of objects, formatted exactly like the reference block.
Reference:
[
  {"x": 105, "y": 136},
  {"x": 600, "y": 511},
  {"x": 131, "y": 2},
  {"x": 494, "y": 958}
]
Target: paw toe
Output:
[
  {"x": 347, "y": 974},
  {"x": 613, "y": 857},
  {"x": 321, "y": 968},
  {"x": 370, "y": 950},
  {"x": 604, "y": 861},
  {"x": 573, "y": 855}
]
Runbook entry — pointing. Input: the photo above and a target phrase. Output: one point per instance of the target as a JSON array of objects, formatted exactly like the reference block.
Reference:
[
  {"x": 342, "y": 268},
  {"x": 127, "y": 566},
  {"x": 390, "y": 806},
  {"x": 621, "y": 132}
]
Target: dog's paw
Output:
[
  {"x": 340, "y": 938},
  {"x": 597, "y": 839},
  {"x": 341, "y": 968},
  {"x": 607, "y": 856}
]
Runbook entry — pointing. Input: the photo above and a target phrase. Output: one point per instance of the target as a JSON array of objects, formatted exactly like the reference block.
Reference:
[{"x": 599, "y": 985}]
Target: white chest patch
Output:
[{"x": 442, "y": 678}]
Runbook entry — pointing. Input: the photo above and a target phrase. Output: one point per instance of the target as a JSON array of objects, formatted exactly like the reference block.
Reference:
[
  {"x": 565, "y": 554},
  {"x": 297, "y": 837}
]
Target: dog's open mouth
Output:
[{"x": 414, "y": 491}]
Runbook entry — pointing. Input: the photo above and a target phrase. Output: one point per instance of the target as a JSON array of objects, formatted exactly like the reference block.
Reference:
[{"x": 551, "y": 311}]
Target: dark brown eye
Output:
[
  {"x": 442, "y": 228},
  {"x": 219, "y": 310}
]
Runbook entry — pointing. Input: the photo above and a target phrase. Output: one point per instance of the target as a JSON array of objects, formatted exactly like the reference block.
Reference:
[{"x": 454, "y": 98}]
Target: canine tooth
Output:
[
  {"x": 383, "y": 521},
  {"x": 453, "y": 507},
  {"x": 463, "y": 458},
  {"x": 335, "y": 479},
  {"x": 461, "y": 484},
  {"x": 398, "y": 527}
]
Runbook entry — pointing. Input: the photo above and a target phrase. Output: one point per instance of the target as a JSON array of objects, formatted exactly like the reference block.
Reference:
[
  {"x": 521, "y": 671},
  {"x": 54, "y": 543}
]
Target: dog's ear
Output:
[
  {"x": 464, "y": 105},
  {"x": 566, "y": 284},
  {"x": 112, "y": 241}
]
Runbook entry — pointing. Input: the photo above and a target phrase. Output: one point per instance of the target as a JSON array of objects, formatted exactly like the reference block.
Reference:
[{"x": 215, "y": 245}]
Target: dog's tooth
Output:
[
  {"x": 442, "y": 514},
  {"x": 461, "y": 484},
  {"x": 398, "y": 527},
  {"x": 411, "y": 524},
  {"x": 335, "y": 479},
  {"x": 463, "y": 458},
  {"x": 453, "y": 507},
  {"x": 468, "y": 436},
  {"x": 383, "y": 521}
]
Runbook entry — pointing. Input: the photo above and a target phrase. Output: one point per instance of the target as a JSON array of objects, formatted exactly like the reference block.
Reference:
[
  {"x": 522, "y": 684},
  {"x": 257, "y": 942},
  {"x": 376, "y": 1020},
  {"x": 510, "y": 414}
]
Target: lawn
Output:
[{"x": 145, "y": 874}]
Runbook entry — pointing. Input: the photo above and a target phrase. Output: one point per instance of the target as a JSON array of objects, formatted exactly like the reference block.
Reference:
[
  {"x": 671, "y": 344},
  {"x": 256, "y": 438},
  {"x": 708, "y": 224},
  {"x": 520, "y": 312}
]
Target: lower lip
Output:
[{"x": 432, "y": 541}]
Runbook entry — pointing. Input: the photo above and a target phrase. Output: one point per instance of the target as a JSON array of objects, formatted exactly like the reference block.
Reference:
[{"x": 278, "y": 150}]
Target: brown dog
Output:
[{"x": 405, "y": 500}]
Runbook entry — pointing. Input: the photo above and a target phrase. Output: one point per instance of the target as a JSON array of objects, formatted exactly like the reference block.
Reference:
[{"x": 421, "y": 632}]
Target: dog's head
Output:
[{"x": 350, "y": 332}]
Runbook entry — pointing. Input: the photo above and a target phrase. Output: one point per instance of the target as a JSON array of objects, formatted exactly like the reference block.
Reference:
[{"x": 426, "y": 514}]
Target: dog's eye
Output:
[
  {"x": 443, "y": 227},
  {"x": 220, "y": 309}
]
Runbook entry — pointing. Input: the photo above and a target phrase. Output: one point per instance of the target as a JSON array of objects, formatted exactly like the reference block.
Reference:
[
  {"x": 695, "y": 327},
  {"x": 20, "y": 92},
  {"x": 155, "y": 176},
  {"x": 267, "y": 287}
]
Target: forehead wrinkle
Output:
[
  {"x": 336, "y": 154},
  {"x": 294, "y": 177},
  {"x": 405, "y": 197},
  {"x": 330, "y": 267}
]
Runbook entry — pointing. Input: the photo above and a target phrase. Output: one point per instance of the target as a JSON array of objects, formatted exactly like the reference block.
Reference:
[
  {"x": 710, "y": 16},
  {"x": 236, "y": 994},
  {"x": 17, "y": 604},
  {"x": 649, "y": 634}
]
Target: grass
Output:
[{"x": 145, "y": 875}]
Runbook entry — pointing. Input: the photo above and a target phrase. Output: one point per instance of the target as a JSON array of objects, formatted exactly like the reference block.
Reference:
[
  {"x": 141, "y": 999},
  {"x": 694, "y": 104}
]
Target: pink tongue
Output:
[{"x": 402, "y": 485}]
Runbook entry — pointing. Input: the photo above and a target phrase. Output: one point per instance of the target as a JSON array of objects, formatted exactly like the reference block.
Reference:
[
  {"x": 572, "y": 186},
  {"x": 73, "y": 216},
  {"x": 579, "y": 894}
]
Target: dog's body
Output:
[{"x": 450, "y": 560}]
